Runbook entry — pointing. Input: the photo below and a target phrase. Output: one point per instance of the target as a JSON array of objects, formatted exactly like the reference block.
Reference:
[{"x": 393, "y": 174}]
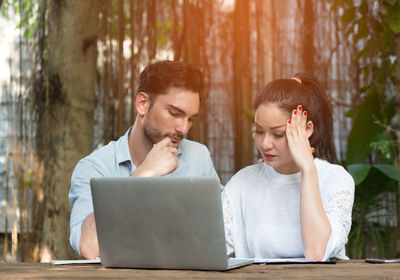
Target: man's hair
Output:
[
  {"x": 304, "y": 89},
  {"x": 158, "y": 77}
]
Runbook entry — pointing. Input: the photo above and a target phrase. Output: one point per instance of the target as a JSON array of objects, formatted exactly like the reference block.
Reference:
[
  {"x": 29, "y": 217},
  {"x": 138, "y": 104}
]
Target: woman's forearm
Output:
[{"x": 315, "y": 226}]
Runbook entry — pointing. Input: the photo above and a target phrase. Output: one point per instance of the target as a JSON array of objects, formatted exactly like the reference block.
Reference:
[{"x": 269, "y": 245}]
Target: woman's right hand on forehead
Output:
[{"x": 297, "y": 136}]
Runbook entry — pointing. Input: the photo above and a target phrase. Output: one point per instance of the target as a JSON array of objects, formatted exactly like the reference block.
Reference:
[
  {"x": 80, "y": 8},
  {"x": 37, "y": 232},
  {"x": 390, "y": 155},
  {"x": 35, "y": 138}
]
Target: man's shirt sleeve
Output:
[
  {"x": 208, "y": 168},
  {"x": 80, "y": 197}
]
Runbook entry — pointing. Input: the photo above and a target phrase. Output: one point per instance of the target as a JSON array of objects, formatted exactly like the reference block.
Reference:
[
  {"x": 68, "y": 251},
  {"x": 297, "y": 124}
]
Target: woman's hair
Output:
[{"x": 304, "y": 89}]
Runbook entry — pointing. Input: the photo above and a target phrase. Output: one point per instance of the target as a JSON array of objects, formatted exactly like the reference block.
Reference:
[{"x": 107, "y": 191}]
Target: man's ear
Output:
[
  {"x": 309, "y": 128},
  {"x": 143, "y": 101}
]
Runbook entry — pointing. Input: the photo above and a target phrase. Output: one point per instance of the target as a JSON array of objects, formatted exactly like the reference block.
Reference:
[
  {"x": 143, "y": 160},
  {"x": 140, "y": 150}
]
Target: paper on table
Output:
[
  {"x": 267, "y": 260},
  {"x": 288, "y": 260},
  {"x": 58, "y": 262}
]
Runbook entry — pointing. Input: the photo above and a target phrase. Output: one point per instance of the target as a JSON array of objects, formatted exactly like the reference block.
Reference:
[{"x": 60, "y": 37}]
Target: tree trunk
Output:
[
  {"x": 133, "y": 61},
  {"x": 193, "y": 49},
  {"x": 308, "y": 49},
  {"x": 65, "y": 130},
  {"x": 120, "y": 85},
  {"x": 242, "y": 87}
]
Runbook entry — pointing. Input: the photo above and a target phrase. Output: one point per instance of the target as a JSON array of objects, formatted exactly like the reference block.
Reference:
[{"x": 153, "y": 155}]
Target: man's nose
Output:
[{"x": 184, "y": 126}]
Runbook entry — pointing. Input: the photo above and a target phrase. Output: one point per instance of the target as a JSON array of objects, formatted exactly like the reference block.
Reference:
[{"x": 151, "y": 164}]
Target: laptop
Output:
[{"x": 161, "y": 222}]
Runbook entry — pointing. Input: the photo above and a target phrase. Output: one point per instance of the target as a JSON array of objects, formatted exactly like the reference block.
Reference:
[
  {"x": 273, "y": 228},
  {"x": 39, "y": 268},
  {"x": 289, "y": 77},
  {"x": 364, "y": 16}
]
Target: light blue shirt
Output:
[{"x": 114, "y": 160}]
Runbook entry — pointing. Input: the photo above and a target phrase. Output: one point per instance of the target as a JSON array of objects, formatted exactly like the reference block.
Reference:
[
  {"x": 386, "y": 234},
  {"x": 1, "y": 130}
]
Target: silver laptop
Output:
[{"x": 161, "y": 222}]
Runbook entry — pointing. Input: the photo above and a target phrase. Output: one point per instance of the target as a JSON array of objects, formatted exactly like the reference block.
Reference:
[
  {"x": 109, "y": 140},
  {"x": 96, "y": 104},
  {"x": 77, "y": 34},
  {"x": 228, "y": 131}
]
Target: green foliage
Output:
[
  {"x": 249, "y": 114},
  {"x": 373, "y": 184},
  {"x": 359, "y": 172},
  {"x": 4, "y": 4},
  {"x": 27, "y": 10},
  {"x": 392, "y": 18},
  {"x": 164, "y": 32},
  {"x": 370, "y": 157},
  {"x": 365, "y": 130}
]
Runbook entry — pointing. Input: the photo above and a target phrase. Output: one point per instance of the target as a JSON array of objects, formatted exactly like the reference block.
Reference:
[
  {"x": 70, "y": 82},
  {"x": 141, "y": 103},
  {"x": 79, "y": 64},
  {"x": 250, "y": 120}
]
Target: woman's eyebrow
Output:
[
  {"x": 256, "y": 124},
  {"x": 279, "y": 126},
  {"x": 272, "y": 128}
]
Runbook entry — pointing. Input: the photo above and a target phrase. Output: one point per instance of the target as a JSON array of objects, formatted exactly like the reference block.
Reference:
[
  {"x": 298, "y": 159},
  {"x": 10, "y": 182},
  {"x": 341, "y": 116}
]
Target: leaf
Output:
[
  {"x": 391, "y": 2},
  {"x": 248, "y": 114},
  {"x": 348, "y": 16},
  {"x": 364, "y": 53},
  {"x": 28, "y": 34},
  {"x": 349, "y": 31},
  {"x": 363, "y": 9},
  {"x": 385, "y": 39},
  {"x": 335, "y": 5},
  {"x": 393, "y": 18},
  {"x": 364, "y": 131},
  {"x": 369, "y": 190},
  {"x": 359, "y": 171},
  {"x": 362, "y": 30},
  {"x": 350, "y": 113},
  {"x": 389, "y": 170}
]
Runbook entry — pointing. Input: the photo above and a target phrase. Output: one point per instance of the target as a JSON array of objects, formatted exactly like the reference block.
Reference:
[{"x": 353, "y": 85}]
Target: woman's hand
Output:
[{"x": 297, "y": 132}]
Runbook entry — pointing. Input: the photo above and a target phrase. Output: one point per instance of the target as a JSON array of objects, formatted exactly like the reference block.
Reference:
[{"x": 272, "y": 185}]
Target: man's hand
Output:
[
  {"x": 89, "y": 245},
  {"x": 161, "y": 160}
]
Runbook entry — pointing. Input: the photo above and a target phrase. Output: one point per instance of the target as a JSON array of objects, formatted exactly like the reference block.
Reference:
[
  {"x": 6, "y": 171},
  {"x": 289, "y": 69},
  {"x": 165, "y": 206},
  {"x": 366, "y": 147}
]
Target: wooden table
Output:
[{"x": 354, "y": 269}]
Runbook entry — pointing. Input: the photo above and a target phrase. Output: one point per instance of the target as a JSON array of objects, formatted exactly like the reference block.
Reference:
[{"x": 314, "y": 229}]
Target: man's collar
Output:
[
  {"x": 180, "y": 149},
  {"x": 123, "y": 153}
]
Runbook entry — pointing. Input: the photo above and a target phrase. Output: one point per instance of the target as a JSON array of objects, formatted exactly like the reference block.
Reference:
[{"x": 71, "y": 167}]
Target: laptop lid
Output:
[{"x": 160, "y": 222}]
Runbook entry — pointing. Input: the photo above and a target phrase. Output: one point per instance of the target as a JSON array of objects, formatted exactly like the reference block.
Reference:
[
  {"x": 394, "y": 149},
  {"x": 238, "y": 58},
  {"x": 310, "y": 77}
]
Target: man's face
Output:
[{"x": 171, "y": 115}]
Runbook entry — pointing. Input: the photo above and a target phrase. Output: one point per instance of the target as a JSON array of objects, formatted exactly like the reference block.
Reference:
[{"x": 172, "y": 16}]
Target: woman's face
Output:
[{"x": 270, "y": 137}]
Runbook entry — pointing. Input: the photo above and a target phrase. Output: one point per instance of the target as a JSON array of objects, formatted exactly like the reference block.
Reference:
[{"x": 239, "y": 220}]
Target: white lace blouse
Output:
[{"x": 262, "y": 211}]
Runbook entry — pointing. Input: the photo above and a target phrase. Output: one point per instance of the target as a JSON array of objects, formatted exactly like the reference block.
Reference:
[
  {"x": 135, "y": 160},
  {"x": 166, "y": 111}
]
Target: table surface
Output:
[{"x": 353, "y": 269}]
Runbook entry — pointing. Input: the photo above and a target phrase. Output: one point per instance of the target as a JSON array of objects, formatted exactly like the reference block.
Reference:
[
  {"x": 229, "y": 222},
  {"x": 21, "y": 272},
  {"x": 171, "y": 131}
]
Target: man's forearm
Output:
[{"x": 88, "y": 245}]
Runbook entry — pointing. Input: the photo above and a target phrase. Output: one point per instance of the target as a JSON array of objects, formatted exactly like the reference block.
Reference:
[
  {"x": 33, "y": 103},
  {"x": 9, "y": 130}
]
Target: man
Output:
[{"x": 167, "y": 102}]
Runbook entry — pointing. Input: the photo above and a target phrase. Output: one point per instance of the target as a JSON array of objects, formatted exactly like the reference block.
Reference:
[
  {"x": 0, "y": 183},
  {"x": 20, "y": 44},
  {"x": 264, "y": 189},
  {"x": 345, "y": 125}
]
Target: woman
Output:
[{"x": 294, "y": 203}]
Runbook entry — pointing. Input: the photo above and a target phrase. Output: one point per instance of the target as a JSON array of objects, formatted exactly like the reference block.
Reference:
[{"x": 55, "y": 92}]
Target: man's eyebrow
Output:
[
  {"x": 176, "y": 109},
  {"x": 180, "y": 110}
]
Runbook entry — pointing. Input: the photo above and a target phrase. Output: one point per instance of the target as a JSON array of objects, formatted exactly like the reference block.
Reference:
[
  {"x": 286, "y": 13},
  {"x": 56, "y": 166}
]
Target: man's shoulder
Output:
[
  {"x": 103, "y": 152},
  {"x": 189, "y": 146},
  {"x": 100, "y": 158}
]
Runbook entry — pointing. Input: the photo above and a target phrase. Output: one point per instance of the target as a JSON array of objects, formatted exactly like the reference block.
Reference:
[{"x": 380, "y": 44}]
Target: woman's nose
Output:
[{"x": 266, "y": 143}]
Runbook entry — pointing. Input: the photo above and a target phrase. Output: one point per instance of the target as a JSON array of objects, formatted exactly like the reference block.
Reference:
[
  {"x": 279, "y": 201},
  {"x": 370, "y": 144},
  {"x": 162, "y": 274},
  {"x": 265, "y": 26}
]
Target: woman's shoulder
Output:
[
  {"x": 246, "y": 174},
  {"x": 253, "y": 169},
  {"x": 334, "y": 173}
]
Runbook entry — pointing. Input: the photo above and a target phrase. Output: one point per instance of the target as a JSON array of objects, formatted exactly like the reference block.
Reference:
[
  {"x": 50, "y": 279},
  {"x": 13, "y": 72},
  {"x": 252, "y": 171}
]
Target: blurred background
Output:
[{"x": 69, "y": 72}]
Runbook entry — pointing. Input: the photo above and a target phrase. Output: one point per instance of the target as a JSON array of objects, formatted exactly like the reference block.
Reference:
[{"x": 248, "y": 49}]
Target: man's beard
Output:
[{"x": 154, "y": 135}]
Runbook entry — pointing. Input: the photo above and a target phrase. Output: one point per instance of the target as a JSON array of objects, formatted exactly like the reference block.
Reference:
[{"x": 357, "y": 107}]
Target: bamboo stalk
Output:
[
  {"x": 397, "y": 87},
  {"x": 14, "y": 233},
  {"x": 22, "y": 203},
  {"x": 120, "y": 85},
  {"x": 5, "y": 246},
  {"x": 106, "y": 66},
  {"x": 133, "y": 60}
]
